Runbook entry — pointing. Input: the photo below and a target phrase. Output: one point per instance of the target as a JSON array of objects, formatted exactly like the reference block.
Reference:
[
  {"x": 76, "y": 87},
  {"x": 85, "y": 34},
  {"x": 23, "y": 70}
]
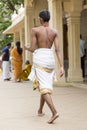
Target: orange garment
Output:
[{"x": 16, "y": 62}]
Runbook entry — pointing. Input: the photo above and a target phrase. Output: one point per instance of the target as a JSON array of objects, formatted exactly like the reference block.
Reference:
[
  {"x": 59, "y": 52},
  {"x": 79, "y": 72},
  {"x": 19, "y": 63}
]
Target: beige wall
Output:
[{"x": 72, "y": 9}]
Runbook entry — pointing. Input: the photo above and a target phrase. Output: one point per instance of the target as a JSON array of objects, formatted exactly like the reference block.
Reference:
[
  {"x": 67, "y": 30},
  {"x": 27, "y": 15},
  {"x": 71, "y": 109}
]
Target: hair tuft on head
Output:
[{"x": 45, "y": 15}]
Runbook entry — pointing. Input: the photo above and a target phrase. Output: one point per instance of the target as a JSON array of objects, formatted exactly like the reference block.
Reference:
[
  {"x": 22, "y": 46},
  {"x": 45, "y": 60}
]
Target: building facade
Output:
[{"x": 66, "y": 18}]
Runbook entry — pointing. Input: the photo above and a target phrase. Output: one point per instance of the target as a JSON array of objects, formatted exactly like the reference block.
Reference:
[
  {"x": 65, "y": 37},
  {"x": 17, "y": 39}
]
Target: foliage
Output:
[
  {"x": 10, "y": 4},
  {"x": 7, "y": 7},
  {"x": 7, "y": 38}
]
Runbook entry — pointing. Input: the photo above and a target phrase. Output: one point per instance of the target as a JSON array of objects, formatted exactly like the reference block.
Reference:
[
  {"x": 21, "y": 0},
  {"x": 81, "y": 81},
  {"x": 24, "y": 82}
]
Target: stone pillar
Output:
[
  {"x": 16, "y": 37},
  {"x": 55, "y": 8},
  {"x": 22, "y": 40},
  {"x": 50, "y": 7},
  {"x": 28, "y": 25},
  {"x": 74, "y": 72}
]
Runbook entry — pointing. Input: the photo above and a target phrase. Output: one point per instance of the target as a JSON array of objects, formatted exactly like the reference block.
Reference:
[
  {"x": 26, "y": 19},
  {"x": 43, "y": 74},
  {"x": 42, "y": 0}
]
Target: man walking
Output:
[{"x": 43, "y": 38}]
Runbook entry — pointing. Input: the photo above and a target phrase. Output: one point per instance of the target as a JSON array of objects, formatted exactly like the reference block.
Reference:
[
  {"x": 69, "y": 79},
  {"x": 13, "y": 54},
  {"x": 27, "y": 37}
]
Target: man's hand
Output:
[
  {"x": 26, "y": 47},
  {"x": 61, "y": 71},
  {"x": 29, "y": 48}
]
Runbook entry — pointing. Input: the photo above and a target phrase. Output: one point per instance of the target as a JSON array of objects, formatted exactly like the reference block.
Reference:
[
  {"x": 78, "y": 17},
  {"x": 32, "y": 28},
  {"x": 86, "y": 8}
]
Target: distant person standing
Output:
[
  {"x": 82, "y": 54},
  {"x": 5, "y": 62},
  {"x": 17, "y": 60}
]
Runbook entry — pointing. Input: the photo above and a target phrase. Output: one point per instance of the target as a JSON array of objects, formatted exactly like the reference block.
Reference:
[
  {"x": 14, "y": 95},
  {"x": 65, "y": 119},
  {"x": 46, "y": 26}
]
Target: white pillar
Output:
[
  {"x": 29, "y": 23},
  {"x": 16, "y": 37},
  {"x": 74, "y": 72},
  {"x": 22, "y": 40},
  {"x": 55, "y": 8}
]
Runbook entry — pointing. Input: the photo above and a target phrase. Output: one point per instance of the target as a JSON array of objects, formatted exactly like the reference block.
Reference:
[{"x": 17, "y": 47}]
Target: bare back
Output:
[{"x": 44, "y": 36}]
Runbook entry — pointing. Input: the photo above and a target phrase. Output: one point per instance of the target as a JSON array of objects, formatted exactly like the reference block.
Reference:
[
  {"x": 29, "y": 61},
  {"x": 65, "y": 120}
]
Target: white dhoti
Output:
[
  {"x": 43, "y": 69},
  {"x": 6, "y": 70}
]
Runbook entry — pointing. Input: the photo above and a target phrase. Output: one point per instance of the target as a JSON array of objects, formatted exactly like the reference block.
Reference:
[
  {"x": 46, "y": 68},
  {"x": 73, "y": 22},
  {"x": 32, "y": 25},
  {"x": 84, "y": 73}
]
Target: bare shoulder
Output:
[
  {"x": 35, "y": 30},
  {"x": 55, "y": 31}
]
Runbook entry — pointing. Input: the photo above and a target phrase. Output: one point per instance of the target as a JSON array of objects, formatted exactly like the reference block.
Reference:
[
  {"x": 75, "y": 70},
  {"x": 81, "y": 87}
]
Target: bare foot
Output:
[
  {"x": 41, "y": 114},
  {"x": 53, "y": 118}
]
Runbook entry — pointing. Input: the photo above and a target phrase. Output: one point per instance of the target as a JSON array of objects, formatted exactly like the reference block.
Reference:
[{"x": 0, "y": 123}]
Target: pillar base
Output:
[{"x": 74, "y": 75}]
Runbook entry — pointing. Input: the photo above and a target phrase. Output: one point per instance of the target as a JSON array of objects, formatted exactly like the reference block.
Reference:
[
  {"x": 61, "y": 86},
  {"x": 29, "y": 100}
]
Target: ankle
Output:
[
  {"x": 54, "y": 113},
  {"x": 39, "y": 111}
]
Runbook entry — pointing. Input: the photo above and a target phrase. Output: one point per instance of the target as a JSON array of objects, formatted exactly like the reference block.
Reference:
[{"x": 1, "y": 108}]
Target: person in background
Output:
[
  {"x": 42, "y": 39},
  {"x": 82, "y": 55},
  {"x": 26, "y": 71},
  {"x": 5, "y": 62},
  {"x": 16, "y": 54}
]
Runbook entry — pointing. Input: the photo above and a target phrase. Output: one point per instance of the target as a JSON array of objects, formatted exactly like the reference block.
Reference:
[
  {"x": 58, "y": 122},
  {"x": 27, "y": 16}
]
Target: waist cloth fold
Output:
[{"x": 43, "y": 68}]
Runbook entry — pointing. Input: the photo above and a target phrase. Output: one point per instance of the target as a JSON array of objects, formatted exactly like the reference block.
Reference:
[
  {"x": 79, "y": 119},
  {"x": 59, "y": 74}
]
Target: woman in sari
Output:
[
  {"x": 16, "y": 55},
  {"x": 26, "y": 71}
]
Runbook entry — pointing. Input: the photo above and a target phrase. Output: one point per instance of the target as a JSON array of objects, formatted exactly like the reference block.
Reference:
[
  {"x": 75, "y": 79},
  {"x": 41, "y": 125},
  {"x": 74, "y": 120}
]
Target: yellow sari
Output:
[
  {"x": 26, "y": 72},
  {"x": 17, "y": 63}
]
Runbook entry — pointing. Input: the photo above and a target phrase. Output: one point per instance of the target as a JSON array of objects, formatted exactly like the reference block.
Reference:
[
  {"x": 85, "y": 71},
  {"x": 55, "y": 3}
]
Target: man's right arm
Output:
[{"x": 32, "y": 47}]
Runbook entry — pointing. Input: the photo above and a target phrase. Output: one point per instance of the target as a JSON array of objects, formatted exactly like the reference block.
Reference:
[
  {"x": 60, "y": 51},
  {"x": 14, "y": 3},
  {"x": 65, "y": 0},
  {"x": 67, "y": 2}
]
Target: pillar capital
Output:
[
  {"x": 73, "y": 17},
  {"x": 72, "y": 6},
  {"x": 29, "y": 3},
  {"x": 74, "y": 14}
]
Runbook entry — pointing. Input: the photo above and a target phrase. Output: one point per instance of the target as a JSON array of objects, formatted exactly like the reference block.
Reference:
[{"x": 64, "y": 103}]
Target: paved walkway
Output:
[{"x": 19, "y": 104}]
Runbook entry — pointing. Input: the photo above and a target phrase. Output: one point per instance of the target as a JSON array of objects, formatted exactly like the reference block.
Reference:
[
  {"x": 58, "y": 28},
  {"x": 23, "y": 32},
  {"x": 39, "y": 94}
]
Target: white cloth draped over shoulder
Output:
[{"x": 43, "y": 67}]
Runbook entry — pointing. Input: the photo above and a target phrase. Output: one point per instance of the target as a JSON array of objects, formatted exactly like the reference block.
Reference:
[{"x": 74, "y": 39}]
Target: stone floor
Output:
[{"x": 19, "y": 105}]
